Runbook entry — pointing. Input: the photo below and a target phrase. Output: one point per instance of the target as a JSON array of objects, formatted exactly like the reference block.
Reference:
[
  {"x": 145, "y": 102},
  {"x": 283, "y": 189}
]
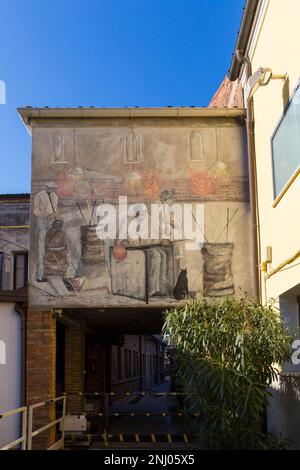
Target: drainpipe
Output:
[{"x": 252, "y": 182}]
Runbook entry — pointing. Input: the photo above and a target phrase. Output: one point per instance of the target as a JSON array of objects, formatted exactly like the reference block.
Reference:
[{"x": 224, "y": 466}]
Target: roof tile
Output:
[{"x": 228, "y": 95}]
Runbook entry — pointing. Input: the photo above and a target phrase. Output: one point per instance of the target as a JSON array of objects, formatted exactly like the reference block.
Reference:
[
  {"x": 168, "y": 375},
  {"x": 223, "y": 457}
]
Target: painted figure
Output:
[
  {"x": 45, "y": 209},
  {"x": 55, "y": 259}
]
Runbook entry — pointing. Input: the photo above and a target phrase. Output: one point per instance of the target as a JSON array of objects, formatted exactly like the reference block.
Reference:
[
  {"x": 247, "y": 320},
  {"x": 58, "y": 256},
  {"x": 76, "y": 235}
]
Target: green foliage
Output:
[{"x": 226, "y": 355}]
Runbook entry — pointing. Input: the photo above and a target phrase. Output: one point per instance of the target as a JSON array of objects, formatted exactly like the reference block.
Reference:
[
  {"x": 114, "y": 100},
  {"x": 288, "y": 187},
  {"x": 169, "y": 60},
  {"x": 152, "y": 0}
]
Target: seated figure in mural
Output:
[
  {"x": 45, "y": 208},
  {"x": 55, "y": 259}
]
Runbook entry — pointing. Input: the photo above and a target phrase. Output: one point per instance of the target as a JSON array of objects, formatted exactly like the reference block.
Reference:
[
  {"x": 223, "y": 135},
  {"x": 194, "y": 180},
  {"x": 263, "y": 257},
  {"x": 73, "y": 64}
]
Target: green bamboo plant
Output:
[{"x": 227, "y": 354}]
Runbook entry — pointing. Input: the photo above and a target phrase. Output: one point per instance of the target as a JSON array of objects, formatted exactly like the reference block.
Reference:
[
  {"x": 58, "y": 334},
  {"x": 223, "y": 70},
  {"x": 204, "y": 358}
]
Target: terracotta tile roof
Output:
[{"x": 228, "y": 95}]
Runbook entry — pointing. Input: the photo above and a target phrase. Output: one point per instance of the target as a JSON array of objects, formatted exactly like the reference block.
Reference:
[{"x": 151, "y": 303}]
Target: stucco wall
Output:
[
  {"x": 284, "y": 409},
  {"x": 276, "y": 47},
  {"x": 275, "y": 44},
  {"x": 148, "y": 160}
]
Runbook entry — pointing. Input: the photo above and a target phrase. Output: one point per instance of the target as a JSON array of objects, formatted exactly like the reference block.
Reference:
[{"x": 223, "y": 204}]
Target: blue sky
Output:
[{"x": 107, "y": 53}]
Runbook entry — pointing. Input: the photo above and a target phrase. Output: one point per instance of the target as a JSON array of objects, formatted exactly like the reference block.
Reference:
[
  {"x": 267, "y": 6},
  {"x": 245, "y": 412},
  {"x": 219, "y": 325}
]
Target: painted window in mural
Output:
[
  {"x": 58, "y": 155},
  {"x": 132, "y": 148},
  {"x": 196, "y": 146}
]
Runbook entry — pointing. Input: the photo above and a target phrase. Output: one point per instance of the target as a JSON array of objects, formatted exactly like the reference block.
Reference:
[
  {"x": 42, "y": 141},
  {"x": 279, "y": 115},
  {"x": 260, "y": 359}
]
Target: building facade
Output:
[
  {"x": 95, "y": 302},
  {"x": 167, "y": 190},
  {"x": 14, "y": 244},
  {"x": 267, "y": 62},
  {"x": 137, "y": 364},
  {"x": 81, "y": 357}
]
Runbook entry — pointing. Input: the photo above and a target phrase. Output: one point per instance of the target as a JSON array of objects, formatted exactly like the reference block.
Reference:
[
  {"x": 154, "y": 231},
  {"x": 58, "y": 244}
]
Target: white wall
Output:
[
  {"x": 275, "y": 44},
  {"x": 10, "y": 370},
  {"x": 284, "y": 408}
]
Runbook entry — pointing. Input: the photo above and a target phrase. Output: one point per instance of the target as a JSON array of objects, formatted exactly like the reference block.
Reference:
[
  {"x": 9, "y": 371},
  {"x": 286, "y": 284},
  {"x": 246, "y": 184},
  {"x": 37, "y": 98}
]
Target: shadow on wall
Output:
[{"x": 284, "y": 409}]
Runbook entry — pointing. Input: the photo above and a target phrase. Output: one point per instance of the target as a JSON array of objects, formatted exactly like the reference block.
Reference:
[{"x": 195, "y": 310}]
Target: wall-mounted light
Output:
[
  {"x": 268, "y": 260},
  {"x": 261, "y": 77},
  {"x": 57, "y": 312},
  {"x": 269, "y": 254}
]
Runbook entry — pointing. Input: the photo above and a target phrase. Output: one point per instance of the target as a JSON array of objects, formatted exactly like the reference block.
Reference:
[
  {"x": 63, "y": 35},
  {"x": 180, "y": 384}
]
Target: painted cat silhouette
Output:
[{"x": 181, "y": 289}]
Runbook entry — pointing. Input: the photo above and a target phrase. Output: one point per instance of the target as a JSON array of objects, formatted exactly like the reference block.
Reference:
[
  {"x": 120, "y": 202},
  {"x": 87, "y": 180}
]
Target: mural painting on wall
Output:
[{"x": 72, "y": 263}]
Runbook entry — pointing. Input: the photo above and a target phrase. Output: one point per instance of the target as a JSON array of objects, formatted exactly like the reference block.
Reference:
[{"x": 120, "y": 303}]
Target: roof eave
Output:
[
  {"x": 28, "y": 113},
  {"x": 14, "y": 295}
]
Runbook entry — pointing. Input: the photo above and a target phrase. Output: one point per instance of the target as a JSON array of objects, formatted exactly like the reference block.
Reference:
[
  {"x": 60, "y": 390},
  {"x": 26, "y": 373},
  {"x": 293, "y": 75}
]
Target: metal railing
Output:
[
  {"x": 28, "y": 434},
  {"x": 21, "y": 440},
  {"x": 31, "y": 434}
]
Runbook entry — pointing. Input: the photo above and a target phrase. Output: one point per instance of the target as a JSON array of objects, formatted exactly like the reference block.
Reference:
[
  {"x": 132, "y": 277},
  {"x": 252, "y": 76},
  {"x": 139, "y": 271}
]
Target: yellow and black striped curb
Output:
[
  {"x": 143, "y": 438},
  {"x": 151, "y": 394},
  {"x": 144, "y": 413}
]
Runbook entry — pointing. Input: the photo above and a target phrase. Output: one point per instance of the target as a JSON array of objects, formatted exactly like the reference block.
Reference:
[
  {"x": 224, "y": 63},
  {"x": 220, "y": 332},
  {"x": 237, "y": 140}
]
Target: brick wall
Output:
[
  {"x": 40, "y": 371},
  {"x": 74, "y": 368}
]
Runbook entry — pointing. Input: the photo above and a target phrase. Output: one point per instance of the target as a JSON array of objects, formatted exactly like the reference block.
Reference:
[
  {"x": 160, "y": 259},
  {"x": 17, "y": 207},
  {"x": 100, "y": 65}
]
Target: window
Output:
[
  {"x": 143, "y": 364},
  {"x": 151, "y": 367},
  {"x": 1, "y": 270},
  {"x": 286, "y": 145},
  {"x": 20, "y": 269},
  {"x": 126, "y": 363},
  {"x": 129, "y": 364},
  {"x": 135, "y": 363},
  {"x": 119, "y": 363}
]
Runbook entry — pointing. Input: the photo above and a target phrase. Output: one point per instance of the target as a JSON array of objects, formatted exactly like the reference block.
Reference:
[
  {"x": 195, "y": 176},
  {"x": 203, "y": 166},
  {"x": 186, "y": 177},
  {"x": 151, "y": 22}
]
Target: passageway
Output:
[
  {"x": 116, "y": 376},
  {"x": 152, "y": 419}
]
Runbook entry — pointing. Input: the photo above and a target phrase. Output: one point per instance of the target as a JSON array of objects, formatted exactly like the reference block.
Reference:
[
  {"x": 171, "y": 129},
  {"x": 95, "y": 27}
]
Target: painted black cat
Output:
[{"x": 181, "y": 290}]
